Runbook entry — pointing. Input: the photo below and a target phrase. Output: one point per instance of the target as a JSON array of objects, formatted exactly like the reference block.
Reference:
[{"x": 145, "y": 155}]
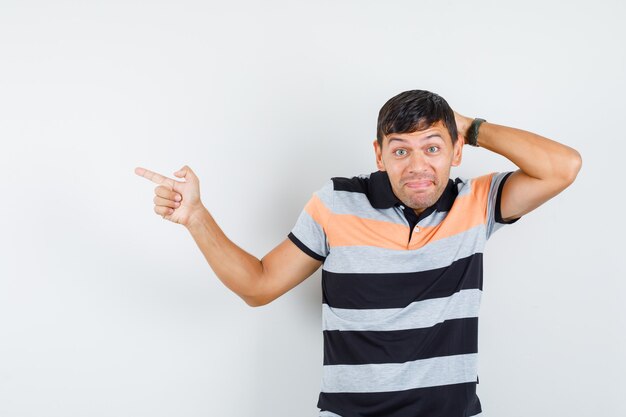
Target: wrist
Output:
[
  {"x": 197, "y": 219},
  {"x": 472, "y": 132},
  {"x": 463, "y": 128}
]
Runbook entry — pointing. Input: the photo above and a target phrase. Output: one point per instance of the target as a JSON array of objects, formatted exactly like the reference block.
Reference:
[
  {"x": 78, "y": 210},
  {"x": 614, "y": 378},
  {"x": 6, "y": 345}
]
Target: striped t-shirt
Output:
[{"x": 401, "y": 294}]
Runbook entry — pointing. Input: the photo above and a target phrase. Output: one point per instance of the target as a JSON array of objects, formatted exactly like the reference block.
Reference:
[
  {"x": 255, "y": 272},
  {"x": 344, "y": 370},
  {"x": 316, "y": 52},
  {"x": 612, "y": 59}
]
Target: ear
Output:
[
  {"x": 457, "y": 151},
  {"x": 379, "y": 156}
]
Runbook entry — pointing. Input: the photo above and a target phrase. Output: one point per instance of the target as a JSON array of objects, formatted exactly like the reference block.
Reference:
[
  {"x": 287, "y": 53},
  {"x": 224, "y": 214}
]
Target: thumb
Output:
[{"x": 185, "y": 172}]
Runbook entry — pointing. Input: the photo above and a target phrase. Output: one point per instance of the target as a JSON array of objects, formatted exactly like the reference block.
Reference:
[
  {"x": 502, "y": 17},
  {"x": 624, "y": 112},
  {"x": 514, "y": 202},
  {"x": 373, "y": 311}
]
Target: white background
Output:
[{"x": 108, "y": 310}]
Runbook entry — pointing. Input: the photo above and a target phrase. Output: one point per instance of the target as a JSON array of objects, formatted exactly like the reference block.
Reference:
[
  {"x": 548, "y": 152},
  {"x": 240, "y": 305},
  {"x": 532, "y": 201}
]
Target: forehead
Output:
[{"x": 437, "y": 131}]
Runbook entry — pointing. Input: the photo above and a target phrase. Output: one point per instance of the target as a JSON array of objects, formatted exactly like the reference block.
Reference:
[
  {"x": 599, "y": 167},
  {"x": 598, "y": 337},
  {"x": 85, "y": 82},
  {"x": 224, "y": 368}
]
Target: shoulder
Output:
[
  {"x": 358, "y": 183},
  {"x": 476, "y": 186},
  {"x": 343, "y": 190},
  {"x": 335, "y": 185}
]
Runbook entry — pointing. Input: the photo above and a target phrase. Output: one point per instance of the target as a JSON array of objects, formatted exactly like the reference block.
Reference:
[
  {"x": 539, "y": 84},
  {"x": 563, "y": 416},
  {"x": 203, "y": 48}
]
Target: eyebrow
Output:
[{"x": 434, "y": 135}]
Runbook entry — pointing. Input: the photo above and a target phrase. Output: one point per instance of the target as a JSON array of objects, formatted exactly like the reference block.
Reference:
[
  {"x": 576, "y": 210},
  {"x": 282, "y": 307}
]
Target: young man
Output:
[{"x": 401, "y": 250}]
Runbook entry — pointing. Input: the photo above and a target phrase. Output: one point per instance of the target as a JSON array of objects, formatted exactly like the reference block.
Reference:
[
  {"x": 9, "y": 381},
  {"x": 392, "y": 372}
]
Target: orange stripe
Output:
[
  {"x": 318, "y": 211},
  {"x": 351, "y": 230}
]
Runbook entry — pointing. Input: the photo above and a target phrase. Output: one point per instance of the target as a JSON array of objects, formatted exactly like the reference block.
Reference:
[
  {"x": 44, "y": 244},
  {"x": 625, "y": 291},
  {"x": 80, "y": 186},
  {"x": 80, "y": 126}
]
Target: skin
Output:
[
  {"x": 546, "y": 168},
  {"x": 257, "y": 282},
  {"x": 175, "y": 201},
  {"x": 418, "y": 164}
]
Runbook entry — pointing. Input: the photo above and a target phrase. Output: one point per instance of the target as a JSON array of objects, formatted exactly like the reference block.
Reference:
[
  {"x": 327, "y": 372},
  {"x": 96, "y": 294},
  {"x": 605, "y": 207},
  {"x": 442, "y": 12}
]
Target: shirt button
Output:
[{"x": 416, "y": 230}]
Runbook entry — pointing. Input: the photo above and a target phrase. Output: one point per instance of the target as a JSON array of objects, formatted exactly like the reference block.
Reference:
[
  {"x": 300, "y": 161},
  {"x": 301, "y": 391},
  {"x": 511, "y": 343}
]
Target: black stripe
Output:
[
  {"x": 498, "y": 213},
  {"x": 354, "y": 184},
  {"x": 364, "y": 291},
  {"x": 305, "y": 248},
  {"x": 452, "y": 337},
  {"x": 454, "y": 400}
]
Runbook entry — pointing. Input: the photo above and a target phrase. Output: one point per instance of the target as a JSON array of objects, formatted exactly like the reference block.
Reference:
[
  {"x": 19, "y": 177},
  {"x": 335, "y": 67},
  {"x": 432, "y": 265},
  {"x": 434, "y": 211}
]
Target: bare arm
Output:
[
  {"x": 546, "y": 167},
  {"x": 257, "y": 282}
]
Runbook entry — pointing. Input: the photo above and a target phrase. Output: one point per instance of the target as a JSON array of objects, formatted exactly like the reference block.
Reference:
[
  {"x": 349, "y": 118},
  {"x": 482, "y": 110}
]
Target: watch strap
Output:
[{"x": 472, "y": 132}]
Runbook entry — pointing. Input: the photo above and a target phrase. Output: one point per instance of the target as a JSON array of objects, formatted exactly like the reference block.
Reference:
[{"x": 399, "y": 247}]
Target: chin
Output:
[
  {"x": 422, "y": 201},
  {"x": 421, "y": 205}
]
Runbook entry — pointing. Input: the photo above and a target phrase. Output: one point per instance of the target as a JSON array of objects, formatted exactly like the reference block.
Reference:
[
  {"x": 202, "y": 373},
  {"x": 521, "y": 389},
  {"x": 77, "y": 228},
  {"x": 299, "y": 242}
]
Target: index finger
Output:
[{"x": 155, "y": 177}]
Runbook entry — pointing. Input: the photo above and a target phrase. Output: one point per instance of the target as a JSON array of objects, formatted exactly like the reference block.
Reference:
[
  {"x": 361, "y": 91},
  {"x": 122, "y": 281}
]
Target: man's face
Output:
[{"x": 418, "y": 164}]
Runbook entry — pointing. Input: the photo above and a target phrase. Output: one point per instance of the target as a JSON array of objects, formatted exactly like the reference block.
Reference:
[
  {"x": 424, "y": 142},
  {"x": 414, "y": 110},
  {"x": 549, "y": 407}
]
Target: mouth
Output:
[{"x": 418, "y": 185}]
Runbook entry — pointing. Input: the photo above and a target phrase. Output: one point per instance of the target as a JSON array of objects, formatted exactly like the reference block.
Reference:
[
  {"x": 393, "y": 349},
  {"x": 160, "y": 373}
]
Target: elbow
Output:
[
  {"x": 572, "y": 167},
  {"x": 260, "y": 293},
  {"x": 256, "y": 301},
  {"x": 254, "y": 294},
  {"x": 253, "y": 302},
  {"x": 565, "y": 168}
]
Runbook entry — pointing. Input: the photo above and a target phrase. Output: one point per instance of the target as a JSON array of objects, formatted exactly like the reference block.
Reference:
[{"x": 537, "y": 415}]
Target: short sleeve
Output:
[
  {"x": 309, "y": 232},
  {"x": 494, "y": 215}
]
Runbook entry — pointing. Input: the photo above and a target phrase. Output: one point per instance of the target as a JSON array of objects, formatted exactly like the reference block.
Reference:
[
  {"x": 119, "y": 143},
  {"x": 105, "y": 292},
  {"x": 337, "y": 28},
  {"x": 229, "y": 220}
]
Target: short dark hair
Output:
[{"x": 414, "y": 110}]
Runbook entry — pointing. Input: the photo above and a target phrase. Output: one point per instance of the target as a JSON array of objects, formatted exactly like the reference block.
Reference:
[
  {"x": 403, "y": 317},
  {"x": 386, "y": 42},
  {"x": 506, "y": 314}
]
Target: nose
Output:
[{"x": 418, "y": 163}]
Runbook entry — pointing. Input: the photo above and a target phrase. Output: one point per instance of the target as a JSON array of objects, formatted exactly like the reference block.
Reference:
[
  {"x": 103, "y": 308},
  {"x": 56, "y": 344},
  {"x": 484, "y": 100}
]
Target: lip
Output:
[{"x": 416, "y": 185}]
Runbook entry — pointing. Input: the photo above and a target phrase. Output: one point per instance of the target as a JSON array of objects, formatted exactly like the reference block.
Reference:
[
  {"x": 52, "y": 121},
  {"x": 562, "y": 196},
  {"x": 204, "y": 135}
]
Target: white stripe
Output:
[
  {"x": 385, "y": 377},
  {"x": 310, "y": 233},
  {"x": 492, "y": 225},
  {"x": 419, "y": 314},
  {"x": 357, "y": 204},
  {"x": 436, "y": 254}
]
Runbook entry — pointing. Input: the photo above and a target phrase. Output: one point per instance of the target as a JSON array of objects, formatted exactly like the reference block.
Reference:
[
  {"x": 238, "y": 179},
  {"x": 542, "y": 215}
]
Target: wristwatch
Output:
[{"x": 472, "y": 132}]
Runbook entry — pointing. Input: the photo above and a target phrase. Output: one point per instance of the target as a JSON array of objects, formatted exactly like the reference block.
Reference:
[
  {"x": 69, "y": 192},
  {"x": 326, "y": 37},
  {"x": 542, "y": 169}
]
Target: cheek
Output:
[
  {"x": 443, "y": 169},
  {"x": 395, "y": 168},
  {"x": 443, "y": 160},
  {"x": 394, "y": 172}
]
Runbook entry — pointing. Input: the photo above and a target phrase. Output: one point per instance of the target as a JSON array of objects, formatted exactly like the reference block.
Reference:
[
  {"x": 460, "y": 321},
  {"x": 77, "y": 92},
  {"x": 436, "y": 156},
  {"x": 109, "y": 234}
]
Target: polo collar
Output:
[{"x": 381, "y": 196}]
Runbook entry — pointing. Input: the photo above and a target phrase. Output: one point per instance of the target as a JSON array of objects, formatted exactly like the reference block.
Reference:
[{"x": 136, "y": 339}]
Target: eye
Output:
[
  {"x": 396, "y": 152},
  {"x": 432, "y": 149}
]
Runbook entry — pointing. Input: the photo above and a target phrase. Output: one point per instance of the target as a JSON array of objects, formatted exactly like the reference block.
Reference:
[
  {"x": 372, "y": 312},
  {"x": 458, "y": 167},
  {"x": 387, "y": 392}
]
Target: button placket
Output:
[{"x": 416, "y": 229}]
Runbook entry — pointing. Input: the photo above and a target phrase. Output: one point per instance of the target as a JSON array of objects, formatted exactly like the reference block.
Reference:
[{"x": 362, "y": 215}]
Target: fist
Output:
[{"x": 176, "y": 201}]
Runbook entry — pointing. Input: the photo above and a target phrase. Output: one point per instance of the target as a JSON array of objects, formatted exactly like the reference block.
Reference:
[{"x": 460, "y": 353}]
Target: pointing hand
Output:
[{"x": 176, "y": 201}]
